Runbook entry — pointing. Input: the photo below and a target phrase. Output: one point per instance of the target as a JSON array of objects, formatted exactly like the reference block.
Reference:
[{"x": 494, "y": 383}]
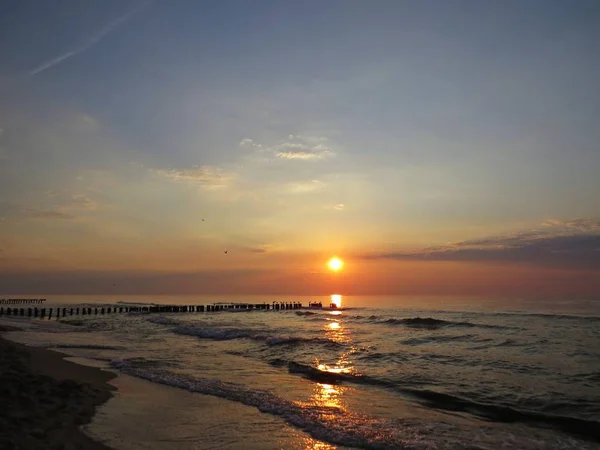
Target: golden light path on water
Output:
[
  {"x": 329, "y": 398},
  {"x": 336, "y": 299}
]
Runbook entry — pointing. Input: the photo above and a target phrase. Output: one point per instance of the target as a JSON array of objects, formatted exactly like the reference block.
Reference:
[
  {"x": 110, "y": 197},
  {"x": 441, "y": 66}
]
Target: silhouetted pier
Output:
[{"x": 70, "y": 311}]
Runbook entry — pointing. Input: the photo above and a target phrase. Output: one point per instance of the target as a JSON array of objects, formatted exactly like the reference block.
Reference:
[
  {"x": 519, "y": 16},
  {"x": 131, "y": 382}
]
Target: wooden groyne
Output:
[{"x": 69, "y": 311}]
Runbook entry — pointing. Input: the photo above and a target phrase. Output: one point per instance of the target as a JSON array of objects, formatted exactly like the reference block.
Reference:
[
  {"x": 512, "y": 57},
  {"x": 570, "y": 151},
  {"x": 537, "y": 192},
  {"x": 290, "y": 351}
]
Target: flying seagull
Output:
[{"x": 225, "y": 251}]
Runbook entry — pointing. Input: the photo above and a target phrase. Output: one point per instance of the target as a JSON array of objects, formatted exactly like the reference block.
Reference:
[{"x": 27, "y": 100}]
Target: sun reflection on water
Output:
[
  {"x": 336, "y": 331},
  {"x": 328, "y": 395},
  {"x": 336, "y": 299},
  {"x": 313, "y": 444}
]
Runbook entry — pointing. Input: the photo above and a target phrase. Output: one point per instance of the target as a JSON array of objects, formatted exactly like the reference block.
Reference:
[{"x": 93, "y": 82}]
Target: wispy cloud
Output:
[
  {"x": 206, "y": 176},
  {"x": 306, "y": 187},
  {"x": 249, "y": 143},
  {"x": 3, "y": 150},
  {"x": 58, "y": 205},
  {"x": 563, "y": 243},
  {"x": 80, "y": 201},
  {"x": 294, "y": 147},
  {"x": 50, "y": 214},
  {"x": 89, "y": 42}
]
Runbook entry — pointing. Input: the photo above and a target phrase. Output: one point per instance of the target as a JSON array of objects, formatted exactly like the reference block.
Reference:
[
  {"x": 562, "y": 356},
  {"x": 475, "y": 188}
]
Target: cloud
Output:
[
  {"x": 89, "y": 42},
  {"x": 9, "y": 210},
  {"x": 3, "y": 150},
  {"x": 206, "y": 176},
  {"x": 250, "y": 144},
  {"x": 303, "y": 151},
  {"x": 50, "y": 214},
  {"x": 339, "y": 207},
  {"x": 306, "y": 187},
  {"x": 257, "y": 250},
  {"x": 80, "y": 201},
  {"x": 64, "y": 207},
  {"x": 558, "y": 243},
  {"x": 301, "y": 148}
]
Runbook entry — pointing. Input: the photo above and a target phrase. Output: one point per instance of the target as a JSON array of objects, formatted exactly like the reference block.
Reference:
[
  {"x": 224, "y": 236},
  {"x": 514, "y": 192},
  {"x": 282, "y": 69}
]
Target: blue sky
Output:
[{"x": 292, "y": 128}]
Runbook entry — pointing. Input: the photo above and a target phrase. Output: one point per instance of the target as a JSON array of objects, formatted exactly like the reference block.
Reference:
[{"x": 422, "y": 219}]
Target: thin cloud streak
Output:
[{"x": 90, "y": 42}]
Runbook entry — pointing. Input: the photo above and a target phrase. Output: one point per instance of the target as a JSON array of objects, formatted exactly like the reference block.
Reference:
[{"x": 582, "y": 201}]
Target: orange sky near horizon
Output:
[{"x": 465, "y": 165}]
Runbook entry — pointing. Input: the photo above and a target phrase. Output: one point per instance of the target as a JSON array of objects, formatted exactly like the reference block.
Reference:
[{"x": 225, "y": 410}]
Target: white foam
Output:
[{"x": 334, "y": 425}]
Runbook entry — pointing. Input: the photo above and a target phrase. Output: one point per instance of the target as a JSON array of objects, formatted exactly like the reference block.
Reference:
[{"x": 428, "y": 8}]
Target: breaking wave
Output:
[{"x": 225, "y": 334}]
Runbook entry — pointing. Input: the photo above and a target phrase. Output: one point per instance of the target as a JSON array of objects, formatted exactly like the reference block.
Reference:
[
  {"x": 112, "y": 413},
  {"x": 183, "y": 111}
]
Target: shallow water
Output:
[{"x": 408, "y": 373}]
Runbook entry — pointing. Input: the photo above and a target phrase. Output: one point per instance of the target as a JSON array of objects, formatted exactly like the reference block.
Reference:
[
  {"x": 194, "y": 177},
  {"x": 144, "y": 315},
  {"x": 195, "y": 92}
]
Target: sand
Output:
[
  {"x": 44, "y": 399},
  {"x": 150, "y": 416}
]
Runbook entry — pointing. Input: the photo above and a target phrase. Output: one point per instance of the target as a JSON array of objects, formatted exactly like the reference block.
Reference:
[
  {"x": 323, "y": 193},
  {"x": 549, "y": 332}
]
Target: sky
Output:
[{"x": 437, "y": 147}]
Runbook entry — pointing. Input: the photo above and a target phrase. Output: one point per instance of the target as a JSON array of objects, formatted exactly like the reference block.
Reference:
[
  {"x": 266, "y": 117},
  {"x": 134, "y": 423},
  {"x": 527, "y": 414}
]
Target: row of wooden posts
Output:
[{"x": 83, "y": 311}]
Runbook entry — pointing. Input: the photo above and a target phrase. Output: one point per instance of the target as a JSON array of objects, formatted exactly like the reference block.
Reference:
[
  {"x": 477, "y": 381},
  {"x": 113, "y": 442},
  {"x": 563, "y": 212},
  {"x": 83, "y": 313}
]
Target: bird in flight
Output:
[{"x": 225, "y": 251}]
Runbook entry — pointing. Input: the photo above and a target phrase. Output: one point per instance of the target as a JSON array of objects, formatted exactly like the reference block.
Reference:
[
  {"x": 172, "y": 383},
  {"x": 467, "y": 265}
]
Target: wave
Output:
[
  {"x": 500, "y": 413},
  {"x": 434, "y": 324},
  {"x": 218, "y": 334},
  {"x": 226, "y": 334},
  {"x": 546, "y": 316},
  {"x": 410, "y": 322},
  {"x": 438, "y": 339},
  {"x": 323, "y": 376},
  {"x": 162, "y": 320},
  {"x": 86, "y": 346},
  {"x": 493, "y": 412},
  {"x": 339, "y": 427},
  {"x": 74, "y": 322}
]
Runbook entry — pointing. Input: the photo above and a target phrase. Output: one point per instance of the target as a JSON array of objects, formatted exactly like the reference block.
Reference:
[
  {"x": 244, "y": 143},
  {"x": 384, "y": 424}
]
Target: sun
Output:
[{"x": 335, "y": 264}]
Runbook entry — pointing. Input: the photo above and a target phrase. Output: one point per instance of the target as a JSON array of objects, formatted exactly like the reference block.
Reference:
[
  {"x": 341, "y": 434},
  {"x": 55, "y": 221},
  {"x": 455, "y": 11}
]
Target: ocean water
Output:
[{"x": 377, "y": 373}]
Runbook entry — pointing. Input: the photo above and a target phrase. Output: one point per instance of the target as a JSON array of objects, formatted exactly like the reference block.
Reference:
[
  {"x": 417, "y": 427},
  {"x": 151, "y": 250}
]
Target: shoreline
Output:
[
  {"x": 37, "y": 413},
  {"x": 46, "y": 399}
]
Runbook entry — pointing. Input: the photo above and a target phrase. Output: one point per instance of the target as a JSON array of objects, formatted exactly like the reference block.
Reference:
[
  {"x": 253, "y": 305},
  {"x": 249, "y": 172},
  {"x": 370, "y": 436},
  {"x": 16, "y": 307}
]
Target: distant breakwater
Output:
[
  {"x": 22, "y": 301},
  {"x": 70, "y": 311}
]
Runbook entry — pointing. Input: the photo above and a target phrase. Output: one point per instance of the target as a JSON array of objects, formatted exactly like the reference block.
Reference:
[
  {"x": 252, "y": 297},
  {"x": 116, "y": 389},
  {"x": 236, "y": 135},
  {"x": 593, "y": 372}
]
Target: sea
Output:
[{"x": 374, "y": 373}]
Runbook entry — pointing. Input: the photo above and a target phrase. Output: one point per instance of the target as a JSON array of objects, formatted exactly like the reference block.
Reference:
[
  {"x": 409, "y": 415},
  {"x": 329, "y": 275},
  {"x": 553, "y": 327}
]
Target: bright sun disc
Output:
[{"x": 335, "y": 264}]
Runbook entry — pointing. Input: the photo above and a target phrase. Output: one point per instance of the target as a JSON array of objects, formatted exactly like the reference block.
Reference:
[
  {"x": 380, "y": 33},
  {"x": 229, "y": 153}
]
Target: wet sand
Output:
[
  {"x": 45, "y": 399},
  {"x": 150, "y": 416}
]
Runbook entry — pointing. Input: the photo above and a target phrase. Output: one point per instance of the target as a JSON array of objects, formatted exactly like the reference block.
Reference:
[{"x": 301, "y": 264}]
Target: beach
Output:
[
  {"x": 446, "y": 375},
  {"x": 45, "y": 399},
  {"x": 49, "y": 402}
]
